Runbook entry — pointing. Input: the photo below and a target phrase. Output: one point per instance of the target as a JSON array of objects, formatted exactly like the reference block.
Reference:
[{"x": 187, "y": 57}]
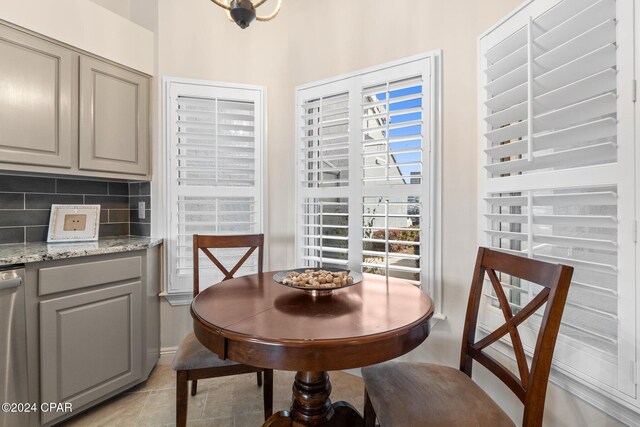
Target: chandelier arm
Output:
[
  {"x": 258, "y": 3},
  {"x": 222, "y": 4},
  {"x": 270, "y": 16}
]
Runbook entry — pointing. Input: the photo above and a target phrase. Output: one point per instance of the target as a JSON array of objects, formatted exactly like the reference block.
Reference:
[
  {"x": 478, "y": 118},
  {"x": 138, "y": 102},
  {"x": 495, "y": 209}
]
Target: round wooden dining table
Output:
[{"x": 256, "y": 321}]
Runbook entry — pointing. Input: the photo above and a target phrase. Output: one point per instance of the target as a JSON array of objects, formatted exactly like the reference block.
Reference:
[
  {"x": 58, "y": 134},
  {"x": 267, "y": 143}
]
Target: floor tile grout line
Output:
[
  {"x": 204, "y": 406},
  {"x": 206, "y": 397},
  {"x": 144, "y": 403}
]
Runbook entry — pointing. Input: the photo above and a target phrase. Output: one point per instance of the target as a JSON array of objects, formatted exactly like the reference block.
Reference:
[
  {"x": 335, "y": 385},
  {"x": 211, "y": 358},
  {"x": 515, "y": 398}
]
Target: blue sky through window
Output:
[{"x": 411, "y": 129}]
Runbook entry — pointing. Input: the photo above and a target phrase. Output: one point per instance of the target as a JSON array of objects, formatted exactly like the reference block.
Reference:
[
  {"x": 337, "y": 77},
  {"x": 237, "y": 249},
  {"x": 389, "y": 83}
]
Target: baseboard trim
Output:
[{"x": 164, "y": 351}]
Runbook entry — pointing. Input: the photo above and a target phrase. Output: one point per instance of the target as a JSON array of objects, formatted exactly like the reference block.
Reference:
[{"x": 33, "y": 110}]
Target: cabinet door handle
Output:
[{"x": 14, "y": 282}]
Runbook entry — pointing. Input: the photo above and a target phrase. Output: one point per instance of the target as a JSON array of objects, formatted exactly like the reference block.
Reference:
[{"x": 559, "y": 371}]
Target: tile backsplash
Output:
[
  {"x": 140, "y": 192},
  {"x": 25, "y": 205}
]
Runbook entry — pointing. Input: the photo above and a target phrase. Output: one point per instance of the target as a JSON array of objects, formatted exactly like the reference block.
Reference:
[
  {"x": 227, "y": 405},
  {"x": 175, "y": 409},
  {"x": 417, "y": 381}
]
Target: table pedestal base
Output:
[{"x": 312, "y": 406}]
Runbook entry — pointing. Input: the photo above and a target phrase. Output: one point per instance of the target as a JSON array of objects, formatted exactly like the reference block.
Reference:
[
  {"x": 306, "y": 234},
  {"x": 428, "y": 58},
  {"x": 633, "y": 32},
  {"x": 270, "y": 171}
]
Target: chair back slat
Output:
[
  {"x": 531, "y": 270},
  {"x": 245, "y": 257},
  {"x": 531, "y": 383},
  {"x": 505, "y": 375},
  {"x": 521, "y": 358},
  {"x": 522, "y": 315},
  {"x": 205, "y": 242}
]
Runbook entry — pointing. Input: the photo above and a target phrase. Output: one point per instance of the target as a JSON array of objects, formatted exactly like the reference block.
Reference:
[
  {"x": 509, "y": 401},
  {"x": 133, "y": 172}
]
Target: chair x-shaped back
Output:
[
  {"x": 531, "y": 384},
  {"x": 204, "y": 243}
]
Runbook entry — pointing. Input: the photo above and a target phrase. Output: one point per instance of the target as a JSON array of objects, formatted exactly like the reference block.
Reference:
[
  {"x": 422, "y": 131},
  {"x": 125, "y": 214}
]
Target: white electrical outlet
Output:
[{"x": 141, "y": 210}]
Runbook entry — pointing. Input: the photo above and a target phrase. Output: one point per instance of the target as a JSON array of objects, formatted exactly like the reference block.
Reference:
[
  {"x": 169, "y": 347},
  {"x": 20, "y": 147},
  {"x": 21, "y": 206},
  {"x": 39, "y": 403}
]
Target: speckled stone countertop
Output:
[{"x": 43, "y": 251}]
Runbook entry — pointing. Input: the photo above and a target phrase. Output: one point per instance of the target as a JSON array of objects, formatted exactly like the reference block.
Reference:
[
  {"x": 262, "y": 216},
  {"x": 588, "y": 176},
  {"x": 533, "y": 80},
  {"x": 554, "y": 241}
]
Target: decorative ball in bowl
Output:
[{"x": 318, "y": 281}]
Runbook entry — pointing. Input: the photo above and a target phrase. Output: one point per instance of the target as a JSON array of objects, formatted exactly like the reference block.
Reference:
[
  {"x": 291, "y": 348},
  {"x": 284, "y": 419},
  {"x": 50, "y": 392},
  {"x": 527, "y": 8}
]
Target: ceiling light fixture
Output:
[{"x": 243, "y": 12}]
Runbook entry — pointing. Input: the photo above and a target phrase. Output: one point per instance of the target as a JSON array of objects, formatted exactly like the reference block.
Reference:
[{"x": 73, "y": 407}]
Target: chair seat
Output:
[
  {"x": 437, "y": 395},
  {"x": 191, "y": 354}
]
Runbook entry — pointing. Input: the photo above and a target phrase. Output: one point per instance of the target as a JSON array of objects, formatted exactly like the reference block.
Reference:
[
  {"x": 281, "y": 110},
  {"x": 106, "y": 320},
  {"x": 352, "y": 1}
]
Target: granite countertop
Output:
[{"x": 23, "y": 253}]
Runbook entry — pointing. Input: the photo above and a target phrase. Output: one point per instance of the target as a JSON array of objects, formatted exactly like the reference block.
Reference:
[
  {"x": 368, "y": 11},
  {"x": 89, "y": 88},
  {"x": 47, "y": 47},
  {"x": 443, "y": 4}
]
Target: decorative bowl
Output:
[{"x": 318, "y": 290}]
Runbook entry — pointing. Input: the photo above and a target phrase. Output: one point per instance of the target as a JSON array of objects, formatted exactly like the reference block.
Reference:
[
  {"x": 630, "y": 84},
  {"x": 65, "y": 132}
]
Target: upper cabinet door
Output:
[
  {"x": 36, "y": 119},
  {"x": 114, "y": 119}
]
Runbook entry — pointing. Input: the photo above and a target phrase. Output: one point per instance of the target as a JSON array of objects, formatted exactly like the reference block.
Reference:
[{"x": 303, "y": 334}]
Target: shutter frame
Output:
[
  {"x": 428, "y": 67},
  {"x": 225, "y": 145}
]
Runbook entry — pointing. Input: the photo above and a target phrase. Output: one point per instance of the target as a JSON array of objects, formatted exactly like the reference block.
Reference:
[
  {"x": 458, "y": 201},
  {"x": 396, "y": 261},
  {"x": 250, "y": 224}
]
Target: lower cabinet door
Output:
[{"x": 90, "y": 345}]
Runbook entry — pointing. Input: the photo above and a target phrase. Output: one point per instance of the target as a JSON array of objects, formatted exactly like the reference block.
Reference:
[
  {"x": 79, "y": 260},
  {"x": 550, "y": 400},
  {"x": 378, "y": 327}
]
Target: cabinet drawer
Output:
[{"x": 69, "y": 277}]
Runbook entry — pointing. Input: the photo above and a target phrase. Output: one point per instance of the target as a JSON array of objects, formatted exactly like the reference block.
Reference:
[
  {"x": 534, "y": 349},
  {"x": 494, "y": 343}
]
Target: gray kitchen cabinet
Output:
[
  {"x": 151, "y": 312},
  {"x": 65, "y": 111},
  {"x": 93, "y": 328},
  {"x": 36, "y": 101},
  {"x": 114, "y": 118},
  {"x": 90, "y": 344}
]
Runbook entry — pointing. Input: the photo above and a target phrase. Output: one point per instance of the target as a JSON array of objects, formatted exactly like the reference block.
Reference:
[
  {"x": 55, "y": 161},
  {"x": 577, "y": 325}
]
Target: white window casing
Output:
[
  {"x": 557, "y": 180},
  {"x": 367, "y": 164},
  {"x": 214, "y": 138}
]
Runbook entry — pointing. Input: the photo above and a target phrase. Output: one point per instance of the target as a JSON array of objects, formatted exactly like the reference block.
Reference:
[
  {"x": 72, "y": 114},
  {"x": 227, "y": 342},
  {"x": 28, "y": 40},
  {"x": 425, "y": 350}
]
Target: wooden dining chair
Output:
[
  {"x": 193, "y": 361},
  {"x": 412, "y": 394}
]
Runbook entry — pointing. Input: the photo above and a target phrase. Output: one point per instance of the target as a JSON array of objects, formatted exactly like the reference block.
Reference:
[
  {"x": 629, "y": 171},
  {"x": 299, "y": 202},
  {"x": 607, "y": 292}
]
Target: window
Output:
[
  {"x": 557, "y": 178},
  {"x": 367, "y": 166},
  {"x": 214, "y": 139}
]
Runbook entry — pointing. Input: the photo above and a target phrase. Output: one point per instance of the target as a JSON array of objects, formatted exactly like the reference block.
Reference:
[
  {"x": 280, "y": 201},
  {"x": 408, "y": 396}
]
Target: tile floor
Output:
[{"x": 221, "y": 402}]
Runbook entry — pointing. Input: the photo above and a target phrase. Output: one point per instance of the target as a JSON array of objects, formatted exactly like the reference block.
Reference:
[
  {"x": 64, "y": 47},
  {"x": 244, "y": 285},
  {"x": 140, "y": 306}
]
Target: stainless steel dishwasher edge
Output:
[{"x": 13, "y": 347}]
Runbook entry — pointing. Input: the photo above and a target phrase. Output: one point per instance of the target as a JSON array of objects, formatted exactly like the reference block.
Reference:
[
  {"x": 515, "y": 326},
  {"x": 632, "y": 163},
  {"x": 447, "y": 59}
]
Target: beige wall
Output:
[
  {"x": 121, "y": 7},
  {"x": 315, "y": 39},
  {"x": 86, "y": 25},
  {"x": 141, "y": 12},
  {"x": 312, "y": 40}
]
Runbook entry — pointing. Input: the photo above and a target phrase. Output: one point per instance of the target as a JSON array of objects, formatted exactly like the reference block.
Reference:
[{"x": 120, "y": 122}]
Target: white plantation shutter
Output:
[
  {"x": 325, "y": 138},
  {"x": 576, "y": 227},
  {"x": 551, "y": 92},
  {"x": 218, "y": 216},
  {"x": 392, "y": 237},
  {"x": 558, "y": 175},
  {"x": 325, "y": 228},
  {"x": 395, "y": 137},
  {"x": 392, "y": 140},
  {"x": 366, "y": 171},
  {"x": 214, "y": 175},
  {"x": 323, "y": 167},
  {"x": 215, "y": 143}
]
